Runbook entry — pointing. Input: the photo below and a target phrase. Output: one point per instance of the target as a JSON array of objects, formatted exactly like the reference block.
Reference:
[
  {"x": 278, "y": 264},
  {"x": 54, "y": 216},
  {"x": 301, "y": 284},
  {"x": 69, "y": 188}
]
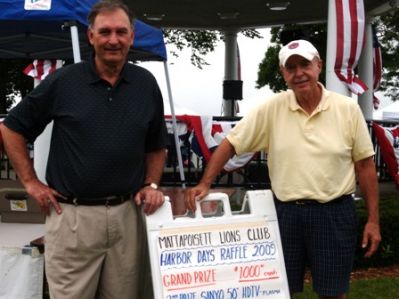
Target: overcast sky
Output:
[{"x": 200, "y": 91}]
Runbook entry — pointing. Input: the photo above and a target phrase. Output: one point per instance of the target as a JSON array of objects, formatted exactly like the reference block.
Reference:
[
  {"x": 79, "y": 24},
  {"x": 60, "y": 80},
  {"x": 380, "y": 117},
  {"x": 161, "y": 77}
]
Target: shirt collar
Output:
[
  {"x": 323, "y": 105},
  {"x": 94, "y": 77}
]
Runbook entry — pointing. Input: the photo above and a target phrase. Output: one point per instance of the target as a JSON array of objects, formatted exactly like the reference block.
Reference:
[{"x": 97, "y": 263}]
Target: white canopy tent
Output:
[{"x": 388, "y": 113}]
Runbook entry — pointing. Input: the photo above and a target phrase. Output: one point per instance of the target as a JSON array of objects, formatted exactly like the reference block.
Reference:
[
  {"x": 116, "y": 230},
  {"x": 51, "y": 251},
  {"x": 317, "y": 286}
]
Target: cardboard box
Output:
[{"x": 16, "y": 205}]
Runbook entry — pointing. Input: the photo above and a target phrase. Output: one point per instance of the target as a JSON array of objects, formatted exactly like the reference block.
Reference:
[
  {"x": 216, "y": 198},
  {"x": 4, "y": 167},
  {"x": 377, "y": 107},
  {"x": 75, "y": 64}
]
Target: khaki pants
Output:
[{"x": 97, "y": 252}]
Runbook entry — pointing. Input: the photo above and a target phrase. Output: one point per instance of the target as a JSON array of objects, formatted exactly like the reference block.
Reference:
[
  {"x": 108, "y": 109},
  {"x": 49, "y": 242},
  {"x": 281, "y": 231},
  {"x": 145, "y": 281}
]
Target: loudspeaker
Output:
[{"x": 232, "y": 89}]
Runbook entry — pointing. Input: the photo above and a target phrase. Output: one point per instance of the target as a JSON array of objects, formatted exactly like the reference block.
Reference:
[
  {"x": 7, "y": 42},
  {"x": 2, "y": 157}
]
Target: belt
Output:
[
  {"x": 315, "y": 202},
  {"x": 111, "y": 200}
]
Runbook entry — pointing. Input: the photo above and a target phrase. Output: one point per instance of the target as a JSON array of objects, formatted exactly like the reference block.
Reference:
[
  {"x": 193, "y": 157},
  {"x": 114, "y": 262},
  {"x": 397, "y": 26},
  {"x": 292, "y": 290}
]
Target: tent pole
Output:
[
  {"x": 75, "y": 43},
  {"x": 174, "y": 126}
]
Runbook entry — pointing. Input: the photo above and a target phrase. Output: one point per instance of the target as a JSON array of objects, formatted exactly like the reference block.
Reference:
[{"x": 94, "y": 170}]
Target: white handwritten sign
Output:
[{"x": 238, "y": 256}]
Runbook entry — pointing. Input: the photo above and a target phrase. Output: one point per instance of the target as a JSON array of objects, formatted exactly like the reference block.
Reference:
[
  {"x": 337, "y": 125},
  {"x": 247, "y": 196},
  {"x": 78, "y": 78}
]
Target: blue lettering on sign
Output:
[
  {"x": 204, "y": 256},
  {"x": 250, "y": 291},
  {"x": 187, "y": 296},
  {"x": 265, "y": 249},
  {"x": 233, "y": 252},
  {"x": 214, "y": 294},
  {"x": 175, "y": 258},
  {"x": 182, "y": 296}
]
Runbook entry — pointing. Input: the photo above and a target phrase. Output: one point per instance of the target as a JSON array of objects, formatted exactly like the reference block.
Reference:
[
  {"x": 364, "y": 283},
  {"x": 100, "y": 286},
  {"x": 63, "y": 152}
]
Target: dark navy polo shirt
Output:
[{"x": 100, "y": 134}]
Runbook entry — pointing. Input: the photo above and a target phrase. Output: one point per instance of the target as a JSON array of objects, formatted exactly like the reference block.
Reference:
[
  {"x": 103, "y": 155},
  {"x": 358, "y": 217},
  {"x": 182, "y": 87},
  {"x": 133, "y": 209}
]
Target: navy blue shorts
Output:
[{"x": 322, "y": 237}]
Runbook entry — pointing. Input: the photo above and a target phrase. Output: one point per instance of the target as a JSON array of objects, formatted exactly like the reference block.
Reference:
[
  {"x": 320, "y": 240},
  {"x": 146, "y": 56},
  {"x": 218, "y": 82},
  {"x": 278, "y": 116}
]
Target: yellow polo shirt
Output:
[{"x": 309, "y": 156}]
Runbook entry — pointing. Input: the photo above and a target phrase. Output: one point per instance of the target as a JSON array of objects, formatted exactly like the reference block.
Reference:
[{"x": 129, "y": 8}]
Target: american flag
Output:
[
  {"x": 39, "y": 69},
  {"x": 377, "y": 67},
  {"x": 350, "y": 41}
]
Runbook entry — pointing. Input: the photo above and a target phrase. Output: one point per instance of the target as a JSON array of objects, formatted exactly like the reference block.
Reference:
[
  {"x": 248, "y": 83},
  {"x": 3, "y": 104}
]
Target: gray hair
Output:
[{"x": 109, "y": 5}]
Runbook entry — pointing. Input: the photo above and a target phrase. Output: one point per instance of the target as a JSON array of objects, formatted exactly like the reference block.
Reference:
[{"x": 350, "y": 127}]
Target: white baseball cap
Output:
[{"x": 297, "y": 47}]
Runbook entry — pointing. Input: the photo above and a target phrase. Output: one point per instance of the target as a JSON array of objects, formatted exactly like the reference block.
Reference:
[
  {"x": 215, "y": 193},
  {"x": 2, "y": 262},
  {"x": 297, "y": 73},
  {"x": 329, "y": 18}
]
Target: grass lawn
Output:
[{"x": 376, "y": 288}]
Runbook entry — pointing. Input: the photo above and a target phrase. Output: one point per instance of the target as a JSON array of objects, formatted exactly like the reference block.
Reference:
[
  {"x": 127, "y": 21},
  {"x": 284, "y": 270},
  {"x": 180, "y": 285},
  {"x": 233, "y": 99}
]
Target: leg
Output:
[
  {"x": 74, "y": 251},
  {"x": 332, "y": 246},
  {"x": 121, "y": 268},
  {"x": 292, "y": 239}
]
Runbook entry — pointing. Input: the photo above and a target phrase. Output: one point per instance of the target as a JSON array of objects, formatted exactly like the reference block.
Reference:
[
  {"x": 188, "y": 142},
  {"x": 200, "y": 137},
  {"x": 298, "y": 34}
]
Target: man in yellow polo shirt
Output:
[{"x": 318, "y": 144}]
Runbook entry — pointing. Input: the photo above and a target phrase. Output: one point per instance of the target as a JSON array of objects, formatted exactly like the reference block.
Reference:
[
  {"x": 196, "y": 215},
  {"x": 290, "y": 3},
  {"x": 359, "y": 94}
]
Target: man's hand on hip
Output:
[{"x": 44, "y": 195}]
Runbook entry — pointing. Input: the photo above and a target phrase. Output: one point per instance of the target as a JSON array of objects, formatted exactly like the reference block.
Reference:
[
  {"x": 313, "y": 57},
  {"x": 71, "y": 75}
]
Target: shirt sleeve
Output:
[
  {"x": 31, "y": 116},
  {"x": 157, "y": 133},
  {"x": 251, "y": 133}
]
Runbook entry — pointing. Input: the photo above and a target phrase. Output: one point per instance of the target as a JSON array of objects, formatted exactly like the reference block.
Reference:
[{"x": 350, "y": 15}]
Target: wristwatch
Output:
[{"x": 152, "y": 185}]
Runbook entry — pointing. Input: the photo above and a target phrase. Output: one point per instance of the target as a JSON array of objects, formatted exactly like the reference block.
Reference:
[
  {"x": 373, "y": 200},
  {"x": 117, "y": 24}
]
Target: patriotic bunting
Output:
[
  {"x": 350, "y": 40},
  {"x": 207, "y": 135},
  {"x": 39, "y": 69},
  {"x": 388, "y": 140}
]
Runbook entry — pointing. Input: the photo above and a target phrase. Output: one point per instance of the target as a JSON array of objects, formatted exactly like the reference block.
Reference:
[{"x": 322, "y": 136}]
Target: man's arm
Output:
[
  {"x": 16, "y": 148},
  {"x": 367, "y": 177},
  {"x": 218, "y": 159},
  {"x": 151, "y": 198}
]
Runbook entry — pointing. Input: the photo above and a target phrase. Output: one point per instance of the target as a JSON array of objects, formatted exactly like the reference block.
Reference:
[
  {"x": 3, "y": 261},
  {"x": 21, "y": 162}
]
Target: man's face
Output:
[
  {"x": 111, "y": 35},
  {"x": 300, "y": 74}
]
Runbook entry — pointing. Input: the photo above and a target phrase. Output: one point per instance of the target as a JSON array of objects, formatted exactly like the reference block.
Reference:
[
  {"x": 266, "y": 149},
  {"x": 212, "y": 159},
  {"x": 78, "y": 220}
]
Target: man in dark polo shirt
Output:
[{"x": 106, "y": 158}]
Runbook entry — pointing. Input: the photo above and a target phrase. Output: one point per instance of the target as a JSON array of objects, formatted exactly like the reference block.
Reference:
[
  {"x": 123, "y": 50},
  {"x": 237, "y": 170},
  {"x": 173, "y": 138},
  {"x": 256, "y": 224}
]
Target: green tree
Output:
[
  {"x": 201, "y": 42},
  {"x": 387, "y": 27},
  {"x": 13, "y": 82},
  {"x": 388, "y": 34}
]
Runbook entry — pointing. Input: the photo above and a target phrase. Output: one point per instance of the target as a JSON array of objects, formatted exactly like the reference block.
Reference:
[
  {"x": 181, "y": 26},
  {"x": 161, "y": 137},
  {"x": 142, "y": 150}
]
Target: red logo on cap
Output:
[{"x": 293, "y": 46}]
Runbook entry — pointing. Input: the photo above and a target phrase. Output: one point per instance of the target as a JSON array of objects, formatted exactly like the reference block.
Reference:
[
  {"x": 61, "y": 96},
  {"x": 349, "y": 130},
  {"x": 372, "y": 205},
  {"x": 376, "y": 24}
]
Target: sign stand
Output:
[{"x": 217, "y": 253}]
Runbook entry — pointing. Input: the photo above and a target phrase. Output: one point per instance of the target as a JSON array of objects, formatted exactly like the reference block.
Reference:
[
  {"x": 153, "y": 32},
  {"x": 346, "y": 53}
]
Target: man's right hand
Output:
[
  {"x": 196, "y": 193},
  {"x": 44, "y": 195},
  {"x": 15, "y": 146},
  {"x": 219, "y": 158}
]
